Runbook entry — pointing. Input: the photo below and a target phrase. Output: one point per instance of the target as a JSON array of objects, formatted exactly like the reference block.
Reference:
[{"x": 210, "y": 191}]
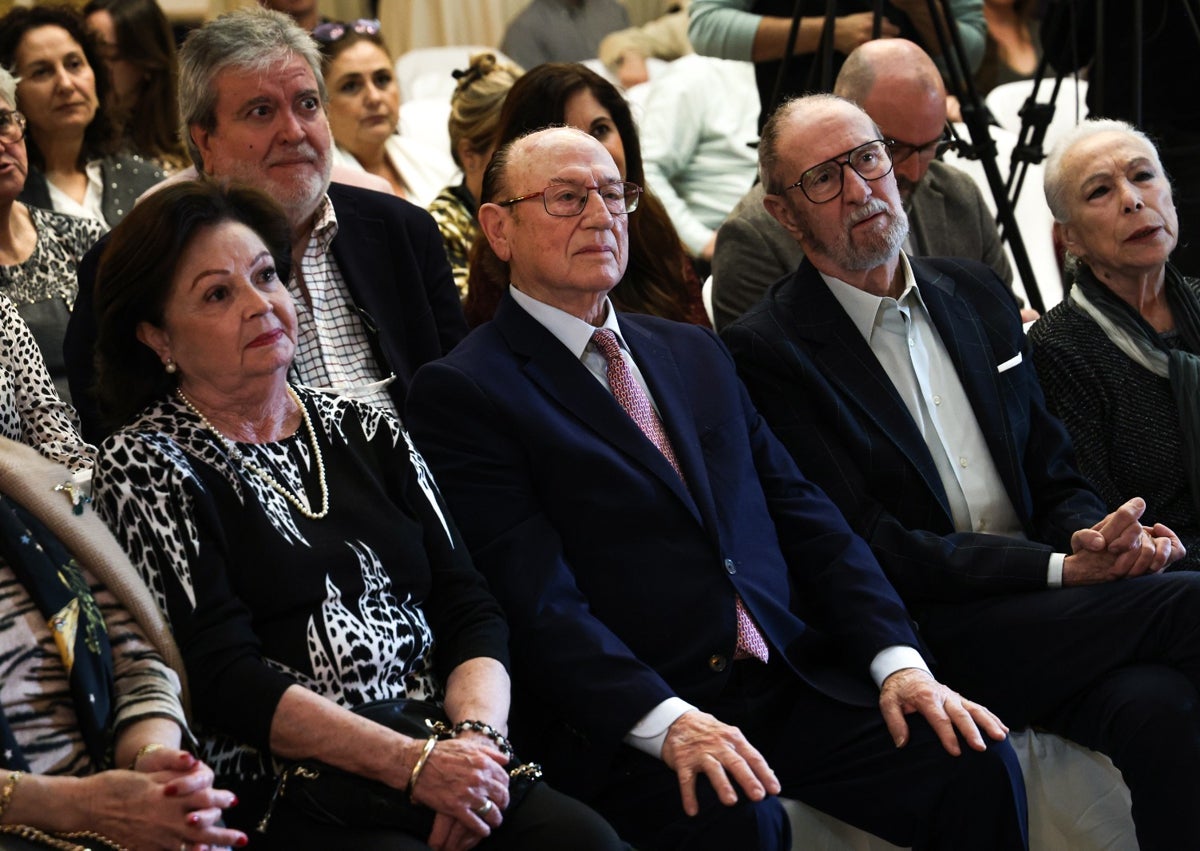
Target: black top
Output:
[{"x": 261, "y": 597}]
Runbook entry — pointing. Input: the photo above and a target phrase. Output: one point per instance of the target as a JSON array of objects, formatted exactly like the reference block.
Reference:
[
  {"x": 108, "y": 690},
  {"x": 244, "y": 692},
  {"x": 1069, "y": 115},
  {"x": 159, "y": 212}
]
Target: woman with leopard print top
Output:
[{"x": 298, "y": 545}]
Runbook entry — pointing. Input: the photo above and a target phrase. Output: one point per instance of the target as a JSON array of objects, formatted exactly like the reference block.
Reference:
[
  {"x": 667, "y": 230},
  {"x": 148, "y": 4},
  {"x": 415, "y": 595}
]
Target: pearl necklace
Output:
[{"x": 237, "y": 456}]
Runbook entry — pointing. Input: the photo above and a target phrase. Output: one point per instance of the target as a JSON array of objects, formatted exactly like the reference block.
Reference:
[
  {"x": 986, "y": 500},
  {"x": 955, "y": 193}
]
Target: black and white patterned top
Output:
[
  {"x": 31, "y": 411},
  {"x": 261, "y": 597},
  {"x": 44, "y": 287}
]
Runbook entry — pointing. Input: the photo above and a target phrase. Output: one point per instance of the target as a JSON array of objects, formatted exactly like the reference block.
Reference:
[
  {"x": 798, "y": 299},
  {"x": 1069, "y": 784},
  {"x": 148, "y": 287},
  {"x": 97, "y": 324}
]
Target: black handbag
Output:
[{"x": 333, "y": 796}]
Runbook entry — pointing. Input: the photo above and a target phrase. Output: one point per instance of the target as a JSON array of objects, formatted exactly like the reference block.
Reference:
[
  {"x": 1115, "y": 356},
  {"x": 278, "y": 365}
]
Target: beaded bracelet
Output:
[
  {"x": 486, "y": 729},
  {"x": 430, "y": 743},
  {"x": 10, "y": 786},
  {"x": 149, "y": 747}
]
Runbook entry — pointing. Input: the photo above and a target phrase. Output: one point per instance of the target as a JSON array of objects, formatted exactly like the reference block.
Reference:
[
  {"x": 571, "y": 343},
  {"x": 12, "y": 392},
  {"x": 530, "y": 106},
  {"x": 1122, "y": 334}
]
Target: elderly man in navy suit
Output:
[
  {"x": 691, "y": 619},
  {"x": 904, "y": 388},
  {"x": 373, "y": 290}
]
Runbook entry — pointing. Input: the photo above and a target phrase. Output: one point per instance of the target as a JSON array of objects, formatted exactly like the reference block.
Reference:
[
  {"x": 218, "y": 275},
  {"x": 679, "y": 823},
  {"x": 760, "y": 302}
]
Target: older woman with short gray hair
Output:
[{"x": 1119, "y": 358}]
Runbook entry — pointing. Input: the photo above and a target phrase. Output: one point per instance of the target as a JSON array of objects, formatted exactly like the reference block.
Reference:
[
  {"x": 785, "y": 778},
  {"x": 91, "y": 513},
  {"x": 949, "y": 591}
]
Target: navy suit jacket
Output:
[
  {"x": 394, "y": 264},
  {"x": 826, "y": 395},
  {"x": 618, "y": 579}
]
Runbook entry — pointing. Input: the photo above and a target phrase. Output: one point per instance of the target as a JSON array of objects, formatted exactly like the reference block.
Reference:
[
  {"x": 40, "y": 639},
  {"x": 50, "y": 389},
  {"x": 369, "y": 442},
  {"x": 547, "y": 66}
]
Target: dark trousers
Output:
[
  {"x": 1115, "y": 667},
  {"x": 546, "y": 820},
  {"x": 837, "y": 758}
]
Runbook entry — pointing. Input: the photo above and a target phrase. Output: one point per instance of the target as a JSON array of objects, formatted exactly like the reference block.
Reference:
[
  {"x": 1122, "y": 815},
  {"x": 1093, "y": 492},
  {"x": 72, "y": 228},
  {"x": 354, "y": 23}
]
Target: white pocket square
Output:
[{"x": 1010, "y": 363}]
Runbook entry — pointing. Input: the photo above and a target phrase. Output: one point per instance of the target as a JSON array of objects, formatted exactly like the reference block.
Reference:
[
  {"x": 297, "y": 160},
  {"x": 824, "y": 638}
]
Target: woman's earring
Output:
[{"x": 170, "y": 367}]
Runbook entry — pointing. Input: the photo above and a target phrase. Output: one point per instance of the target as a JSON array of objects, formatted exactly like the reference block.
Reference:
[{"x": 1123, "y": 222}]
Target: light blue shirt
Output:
[{"x": 902, "y": 336}]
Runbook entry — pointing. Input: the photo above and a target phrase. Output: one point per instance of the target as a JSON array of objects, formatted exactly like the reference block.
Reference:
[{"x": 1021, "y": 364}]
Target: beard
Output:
[
  {"x": 860, "y": 252},
  {"x": 299, "y": 192}
]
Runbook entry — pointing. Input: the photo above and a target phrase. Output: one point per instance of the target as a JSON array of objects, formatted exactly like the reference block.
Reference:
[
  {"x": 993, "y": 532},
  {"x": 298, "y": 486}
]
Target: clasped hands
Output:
[
  {"x": 1120, "y": 547},
  {"x": 699, "y": 744},
  {"x": 168, "y": 802},
  {"x": 459, "y": 778}
]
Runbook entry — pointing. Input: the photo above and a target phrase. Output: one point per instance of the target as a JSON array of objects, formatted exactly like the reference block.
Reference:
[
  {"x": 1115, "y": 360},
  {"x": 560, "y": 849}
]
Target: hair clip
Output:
[{"x": 78, "y": 496}]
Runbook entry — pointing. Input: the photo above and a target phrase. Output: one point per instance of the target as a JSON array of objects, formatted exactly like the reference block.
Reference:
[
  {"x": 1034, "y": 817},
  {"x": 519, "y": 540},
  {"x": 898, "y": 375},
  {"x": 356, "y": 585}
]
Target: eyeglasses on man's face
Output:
[
  {"x": 331, "y": 32},
  {"x": 824, "y": 182},
  {"x": 901, "y": 151},
  {"x": 570, "y": 199},
  {"x": 12, "y": 126}
]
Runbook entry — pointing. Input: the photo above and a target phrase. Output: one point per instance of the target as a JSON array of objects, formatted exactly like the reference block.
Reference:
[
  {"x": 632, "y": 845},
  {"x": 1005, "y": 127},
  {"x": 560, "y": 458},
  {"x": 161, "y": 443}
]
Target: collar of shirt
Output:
[
  {"x": 325, "y": 227},
  {"x": 570, "y": 330},
  {"x": 863, "y": 308}
]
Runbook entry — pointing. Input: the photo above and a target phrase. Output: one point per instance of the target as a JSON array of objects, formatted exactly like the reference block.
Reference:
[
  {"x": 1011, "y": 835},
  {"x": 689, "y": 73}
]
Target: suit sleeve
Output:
[
  {"x": 832, "y": 447},
  {"x": 748, "y": 258},
  {"x": 564, "y": 654}
]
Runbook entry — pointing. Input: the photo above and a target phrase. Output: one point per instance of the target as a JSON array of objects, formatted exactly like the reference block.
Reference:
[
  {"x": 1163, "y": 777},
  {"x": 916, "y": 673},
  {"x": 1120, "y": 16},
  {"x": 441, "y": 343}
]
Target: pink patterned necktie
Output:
[{"x": 627, "y": 392}]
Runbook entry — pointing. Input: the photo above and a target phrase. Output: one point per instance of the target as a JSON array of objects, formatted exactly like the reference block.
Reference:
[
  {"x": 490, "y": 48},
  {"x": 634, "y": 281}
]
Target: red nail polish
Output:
[
  {"x": 241, "y": 841},
  {"x": 171, "y": 791},
  {"x": 193, "y": 819},
  {"x": 234, "y": 802}
]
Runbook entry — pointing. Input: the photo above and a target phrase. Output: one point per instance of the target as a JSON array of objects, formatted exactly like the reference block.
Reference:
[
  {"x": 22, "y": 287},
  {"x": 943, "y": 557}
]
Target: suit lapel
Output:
[
  {"x": 846, "y": 360},
  {"x": 551, "y": 367},
  {"x": 966, "y": 341}
]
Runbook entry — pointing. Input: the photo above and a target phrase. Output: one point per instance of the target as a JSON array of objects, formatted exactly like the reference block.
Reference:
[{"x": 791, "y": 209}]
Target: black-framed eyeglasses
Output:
[
  {"x": 12, "y": 126},
  {"x": 570, "y": 199},
  {"x": 824, "y": 181},
  {"x": 332, "y": 31},
  {"x": 901, "y": 151}
]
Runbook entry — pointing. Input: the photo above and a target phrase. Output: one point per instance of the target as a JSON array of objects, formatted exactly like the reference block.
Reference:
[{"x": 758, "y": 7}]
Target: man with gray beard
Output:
[{"x": 904, "y": 388}]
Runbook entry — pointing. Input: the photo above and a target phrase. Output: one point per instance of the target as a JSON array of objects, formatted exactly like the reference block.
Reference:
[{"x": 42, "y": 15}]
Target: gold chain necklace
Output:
[{"x": 237, "y": 456}]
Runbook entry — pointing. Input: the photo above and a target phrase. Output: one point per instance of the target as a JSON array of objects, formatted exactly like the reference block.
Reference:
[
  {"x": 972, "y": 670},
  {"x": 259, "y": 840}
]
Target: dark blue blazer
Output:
[
  {"x": 392, "y": 259},
  {"x": 618, "y": 579},
  {"x": 825, "y": 394}
]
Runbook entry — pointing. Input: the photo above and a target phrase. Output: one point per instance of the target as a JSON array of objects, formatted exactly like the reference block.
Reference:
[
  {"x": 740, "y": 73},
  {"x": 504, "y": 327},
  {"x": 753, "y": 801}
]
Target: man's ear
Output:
[
  {"x": 494, "y": 223},
  {"x": 203, "y": 141},
  {"x": 783, "y": 213},
  {"x": 156, "y": 338}
]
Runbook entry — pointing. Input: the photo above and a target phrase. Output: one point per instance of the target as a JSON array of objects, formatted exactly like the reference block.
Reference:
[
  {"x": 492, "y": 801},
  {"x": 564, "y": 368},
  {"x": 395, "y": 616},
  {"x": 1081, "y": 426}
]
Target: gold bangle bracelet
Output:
[
  {"x": 416, "y": 772},
  {"x": 6, "y": 794},
  {"x": 151, "y": 747}
]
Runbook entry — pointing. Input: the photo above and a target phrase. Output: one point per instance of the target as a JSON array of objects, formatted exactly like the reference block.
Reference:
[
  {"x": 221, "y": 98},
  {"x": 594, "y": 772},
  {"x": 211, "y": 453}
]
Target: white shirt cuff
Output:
[
  {"x": 889, "y": 660},
  {"x": 1055, "y": 569},
  {"x": 649, "y": 734}
]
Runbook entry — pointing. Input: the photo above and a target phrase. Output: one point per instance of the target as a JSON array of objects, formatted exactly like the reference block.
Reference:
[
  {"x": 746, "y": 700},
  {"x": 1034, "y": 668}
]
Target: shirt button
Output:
[
  {"x": 982, "y": 525},
  {"x": 718, "y": 662},
  {"x": 911, "y": 342},
  {"x": 730, "y": 567},
  {"x": 937, "y": 400},
  {"x": 962, "y": 462}
]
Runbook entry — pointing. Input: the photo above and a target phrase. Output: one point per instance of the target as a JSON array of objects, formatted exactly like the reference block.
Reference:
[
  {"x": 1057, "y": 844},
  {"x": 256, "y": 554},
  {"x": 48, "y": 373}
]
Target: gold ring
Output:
[{"x": 484, "y": 808}]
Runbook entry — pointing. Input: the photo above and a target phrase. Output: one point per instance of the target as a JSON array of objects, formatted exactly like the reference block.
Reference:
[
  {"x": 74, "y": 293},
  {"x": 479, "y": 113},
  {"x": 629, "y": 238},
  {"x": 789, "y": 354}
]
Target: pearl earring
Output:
[{"x": 170, "y": 367}]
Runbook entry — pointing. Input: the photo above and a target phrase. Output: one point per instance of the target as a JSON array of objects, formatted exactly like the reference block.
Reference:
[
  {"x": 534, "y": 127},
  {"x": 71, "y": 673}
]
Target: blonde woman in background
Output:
[{"x": 474, "y": 117}]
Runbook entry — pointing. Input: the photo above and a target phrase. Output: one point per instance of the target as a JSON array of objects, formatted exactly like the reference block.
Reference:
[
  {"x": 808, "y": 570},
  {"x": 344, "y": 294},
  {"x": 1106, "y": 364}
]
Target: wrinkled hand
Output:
[
  {"x": 461, "y": 775},
  {"x": 913, "y": 690},
  {"x": 1120, "y": 547},
  {"x": 161, "y": 810},
  {"x": 849, "y": 31},
  {"x": 697, "y": 743}
]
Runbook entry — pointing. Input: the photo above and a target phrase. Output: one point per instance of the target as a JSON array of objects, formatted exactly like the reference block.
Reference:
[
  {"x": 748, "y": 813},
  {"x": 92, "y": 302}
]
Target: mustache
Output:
[
  {"x": 304, "y": 150},
  {"x": 873, "y": 207}
]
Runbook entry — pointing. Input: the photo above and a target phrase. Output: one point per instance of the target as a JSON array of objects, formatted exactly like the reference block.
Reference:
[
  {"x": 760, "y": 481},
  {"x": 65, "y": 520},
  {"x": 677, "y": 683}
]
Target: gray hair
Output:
[
  {"x": 770, "y": 143},
  {"x": 252, "y": 40},
  {"x": 8, "y": 87},
  {"x": 1053, "y": 179}
]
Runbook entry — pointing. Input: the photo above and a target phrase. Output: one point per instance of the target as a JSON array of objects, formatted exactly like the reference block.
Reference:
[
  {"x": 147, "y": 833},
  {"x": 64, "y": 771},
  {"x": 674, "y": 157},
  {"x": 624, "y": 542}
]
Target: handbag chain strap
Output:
[{"x": 60, "y": 843}]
